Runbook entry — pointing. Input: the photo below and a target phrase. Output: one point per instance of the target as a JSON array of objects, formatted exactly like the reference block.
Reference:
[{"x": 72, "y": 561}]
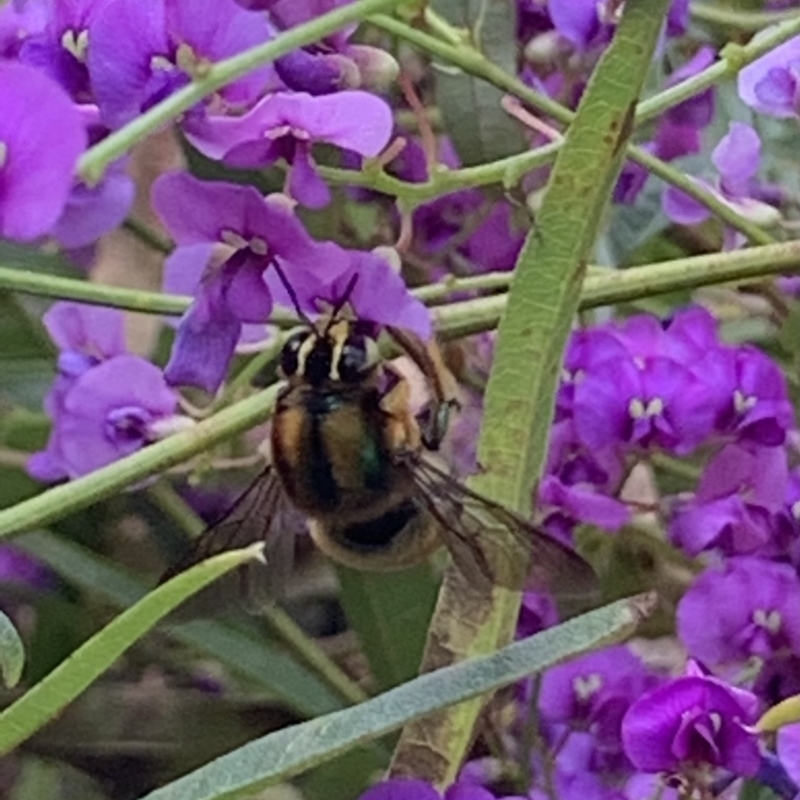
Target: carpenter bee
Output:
[{"x": 348, "y": 453}]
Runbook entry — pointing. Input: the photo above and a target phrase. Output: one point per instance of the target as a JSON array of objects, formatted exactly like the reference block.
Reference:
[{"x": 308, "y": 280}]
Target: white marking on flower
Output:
[
  {"x": 3, "y": 154},
  {"x": 159, "y": 63},
  {"x": 76, "y": 43},
  {"x": 639, "y": 410},
  {"x": 742, "y": 402},
  {"x": 768, "y": 620},
  {"x": 585, "y": 686}
]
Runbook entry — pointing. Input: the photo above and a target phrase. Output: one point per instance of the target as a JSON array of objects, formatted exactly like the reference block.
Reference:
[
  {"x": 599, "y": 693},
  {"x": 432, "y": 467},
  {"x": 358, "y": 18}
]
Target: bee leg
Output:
[
  {"x": 401, "y": 430},
  {"x": 434, "y": 420},
  {"x": 435, "y": 417}
]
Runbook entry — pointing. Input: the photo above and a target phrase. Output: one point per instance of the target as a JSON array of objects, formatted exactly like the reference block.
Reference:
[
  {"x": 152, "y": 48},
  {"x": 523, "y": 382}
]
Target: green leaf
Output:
[
  {"x": 542, "y": 302},
  {"x": 476, "y": 122},
  {"x": 12, "y": 652},
  {"x": 62, "y": 500},
  {"x": 41, "y": 703},
  {"x": 390, "y": 611},
  {"x": 282, "y": 755},
  {"x": 256, "y": 659}
]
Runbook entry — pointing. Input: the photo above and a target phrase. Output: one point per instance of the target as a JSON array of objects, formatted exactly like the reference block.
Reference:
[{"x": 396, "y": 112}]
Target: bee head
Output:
[{"x": 339, "y": 353}]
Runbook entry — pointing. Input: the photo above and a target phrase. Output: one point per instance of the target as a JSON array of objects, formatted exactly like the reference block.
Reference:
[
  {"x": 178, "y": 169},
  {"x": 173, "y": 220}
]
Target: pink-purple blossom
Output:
[
  {"x": 771, "y": 84},
  {"x": 692, "y": 723},
  {"x": 105, "y": 403},
  {"x": 750, "y": 607},
  {"x": 165, "y": 42},
  {"x": 286, "y": 125}
]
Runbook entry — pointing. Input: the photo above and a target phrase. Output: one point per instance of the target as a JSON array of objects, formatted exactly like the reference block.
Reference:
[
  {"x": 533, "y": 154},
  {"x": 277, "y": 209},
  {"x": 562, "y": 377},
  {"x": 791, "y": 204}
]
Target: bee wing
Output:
[
  {"x": 262, "y": 513},
  {"x": 520, "y": 555}
]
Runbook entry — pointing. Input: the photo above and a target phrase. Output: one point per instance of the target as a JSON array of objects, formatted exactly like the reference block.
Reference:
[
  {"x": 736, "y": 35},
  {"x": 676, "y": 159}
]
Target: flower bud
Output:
[{"x": 377, "y": 68}]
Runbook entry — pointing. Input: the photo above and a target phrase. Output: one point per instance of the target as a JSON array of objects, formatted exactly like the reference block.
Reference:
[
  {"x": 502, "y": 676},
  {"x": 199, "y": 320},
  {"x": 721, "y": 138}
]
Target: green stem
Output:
[
  {"x": 506, "y": 171},
  {"x": 712, "y": 202},
  {"x": 309, "y": 652},
  {"x": 743, "y": 20},
  {"x": 58, "y": 502},
  {"x": 472, "y": 61},
  {"x": 95, "y": 160},
  {"x": 44, "y": 285},
  {"x": 151, "y": 237},
  {"x": 735, "y": 57},
  {"x": 602, "y": 287},
  {"x": 297, "y": 641}
]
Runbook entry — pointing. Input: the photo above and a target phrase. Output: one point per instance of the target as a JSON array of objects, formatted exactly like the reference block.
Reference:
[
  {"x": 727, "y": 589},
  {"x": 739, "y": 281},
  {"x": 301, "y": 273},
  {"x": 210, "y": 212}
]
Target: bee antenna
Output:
[
  {"x": 292, "y": 294},
  {"x": 343, "y": 300}
]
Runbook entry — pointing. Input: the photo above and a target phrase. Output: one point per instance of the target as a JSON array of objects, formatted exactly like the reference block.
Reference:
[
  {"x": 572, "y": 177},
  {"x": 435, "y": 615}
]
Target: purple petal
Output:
[
  {"x": 246, "y": 294},
  {"x": 401, "y": 789},
  {"x": 584, "y": 504},
  {"x": 576, "y": 20},
  {"x": 788, "y": 749},
  {"x": 308, "y": 72},
  {"x": 697, "y": 111},
  {"x": 751, "y": 607},
  {"x": 676, "y": 139},
  {"x": 681, "y": 208},
  {"x": 774, "y": 78},
  {"x": 203, "y": 348},
  {"x": 93, "y": 330},
  {"x": 467, "y": 791},
  {"x": 357, "y": 121},
  {"x": 380, "y": 295},
  {"x": 652, "y": 728},
  {"x": 305, "y": 184},
  {"x": 94, "y": 211},
  {"x": 196, "y": 211},
  {"x": 124, "y": 382},
  {"x": 737, "y": 158},
  {"x": 217, "y": 31},
  {"x": 184, "y": 268},
  {"x": 128, "y": 72},
  {"x": 41, "y": 137}
]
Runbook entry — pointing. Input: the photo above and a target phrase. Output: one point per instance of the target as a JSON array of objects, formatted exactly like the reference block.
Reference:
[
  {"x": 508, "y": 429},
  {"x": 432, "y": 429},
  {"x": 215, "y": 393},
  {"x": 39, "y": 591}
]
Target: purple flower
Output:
[
  {"x": 593, "y": 693},
  {"x": 237, "y": 235},
  {"x": 751, "y": 396},
  {"x": 537, "y": 613},
  {"x": 748, "y": 608},
  {"x": 578, "y": 21},
  {"x": 741, "y": 489},
  {"x": 770, "y": 84},
  {"x": 581, "y": 482},
  {"x": 104, "y": 403},
  {"x": 92, "y": 211},
  {"x": 737, "y": 159},
  {"x": 379, "y": 294},
  {"x": 165, "y": 43},
  {"x": 691, "y": 723},
  {"x": 60, "y": 48},
  {"x": 652, "y": 402},
  {"x": 697, "y": 111},
  {"x": 788, "y": 749},
  {"x": 401, "y": 789},
  {"x": 287, "y": 125},
  {"x": 413, "y": 789},
  {"x": 17, "y": 566},
  {"x": 18, "y": 21},
  {"x": 41, "y": 137}
]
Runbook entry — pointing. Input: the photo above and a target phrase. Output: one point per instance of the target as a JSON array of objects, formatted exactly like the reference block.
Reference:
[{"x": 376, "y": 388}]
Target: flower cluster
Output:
[
  {"x": 105, "y": 403},
  {"x": 659, "y": 424}
]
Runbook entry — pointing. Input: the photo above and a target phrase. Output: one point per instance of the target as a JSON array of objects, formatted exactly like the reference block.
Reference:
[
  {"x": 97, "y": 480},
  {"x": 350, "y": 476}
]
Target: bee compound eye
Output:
[
  {"x": 290, "y": 352},
  {"x": 359, "y": 354}
]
